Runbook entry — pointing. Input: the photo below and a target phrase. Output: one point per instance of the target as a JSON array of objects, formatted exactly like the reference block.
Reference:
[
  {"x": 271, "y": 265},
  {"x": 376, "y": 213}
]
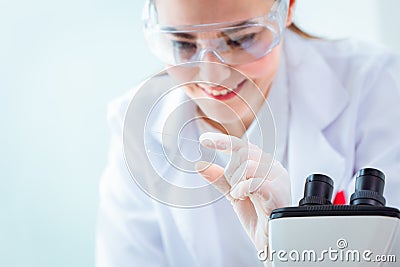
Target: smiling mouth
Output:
[{"x": 221, "y": 92}]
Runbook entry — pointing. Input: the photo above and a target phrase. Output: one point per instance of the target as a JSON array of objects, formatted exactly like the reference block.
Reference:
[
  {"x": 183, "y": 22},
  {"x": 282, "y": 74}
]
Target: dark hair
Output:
[{"x": 293, "y": 27}]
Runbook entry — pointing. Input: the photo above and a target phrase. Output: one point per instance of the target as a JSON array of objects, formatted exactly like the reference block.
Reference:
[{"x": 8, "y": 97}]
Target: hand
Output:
[{"x": 253, "y": 181}]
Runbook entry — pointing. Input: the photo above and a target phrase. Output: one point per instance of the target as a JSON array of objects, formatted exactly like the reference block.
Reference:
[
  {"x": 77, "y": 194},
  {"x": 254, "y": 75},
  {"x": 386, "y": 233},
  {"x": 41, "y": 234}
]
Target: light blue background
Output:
[{"x": 61, "y": 62}]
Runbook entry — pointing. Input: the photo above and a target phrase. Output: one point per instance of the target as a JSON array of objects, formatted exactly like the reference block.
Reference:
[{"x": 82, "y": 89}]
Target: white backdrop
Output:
[
  {"x": 370, "y": 20},
  {"x": 61, "y": 62}
]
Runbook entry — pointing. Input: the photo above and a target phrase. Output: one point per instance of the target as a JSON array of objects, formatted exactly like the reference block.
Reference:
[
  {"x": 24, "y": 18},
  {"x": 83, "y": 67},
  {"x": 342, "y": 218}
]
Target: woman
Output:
[{"x": 335, "y": 105}]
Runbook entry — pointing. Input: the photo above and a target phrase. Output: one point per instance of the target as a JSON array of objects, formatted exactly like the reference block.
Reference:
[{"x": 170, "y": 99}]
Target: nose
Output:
[
  {"x": 210, "y": 55},
  {"x": 212, "y": 69}
]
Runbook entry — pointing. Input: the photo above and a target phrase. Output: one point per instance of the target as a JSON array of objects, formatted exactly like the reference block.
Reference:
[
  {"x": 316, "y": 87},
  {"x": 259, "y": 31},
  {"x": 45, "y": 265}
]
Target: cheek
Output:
[
  {"x": 264, "y": 69},
  {"x": 181, "y": 74},
  {"x": 183, "y": 77}
]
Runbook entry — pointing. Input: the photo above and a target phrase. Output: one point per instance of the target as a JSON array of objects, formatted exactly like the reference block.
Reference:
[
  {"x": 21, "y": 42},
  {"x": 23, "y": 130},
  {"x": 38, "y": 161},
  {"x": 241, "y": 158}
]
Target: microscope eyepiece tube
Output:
[
  {"x": 317, "y": 191},
  {"x": 370, "y": 184}
]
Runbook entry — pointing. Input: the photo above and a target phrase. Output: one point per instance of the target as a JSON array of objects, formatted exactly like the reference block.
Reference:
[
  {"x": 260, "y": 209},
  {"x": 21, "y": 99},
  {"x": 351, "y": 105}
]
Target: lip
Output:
[{"x": 229, "y": 95}]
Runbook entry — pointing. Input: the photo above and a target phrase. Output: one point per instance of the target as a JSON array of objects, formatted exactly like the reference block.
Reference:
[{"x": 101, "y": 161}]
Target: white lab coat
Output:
[{"x": 344, "y": 102}]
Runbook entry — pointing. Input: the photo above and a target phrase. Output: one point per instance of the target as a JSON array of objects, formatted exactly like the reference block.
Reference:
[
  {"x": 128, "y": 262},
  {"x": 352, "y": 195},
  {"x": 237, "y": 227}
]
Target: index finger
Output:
[{"x": 222, "y": 142}]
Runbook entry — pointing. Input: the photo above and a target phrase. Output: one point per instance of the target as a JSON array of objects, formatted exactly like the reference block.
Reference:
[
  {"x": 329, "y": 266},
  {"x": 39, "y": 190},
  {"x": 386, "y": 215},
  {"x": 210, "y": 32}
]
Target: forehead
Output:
[{"x": 186, "y": 12}]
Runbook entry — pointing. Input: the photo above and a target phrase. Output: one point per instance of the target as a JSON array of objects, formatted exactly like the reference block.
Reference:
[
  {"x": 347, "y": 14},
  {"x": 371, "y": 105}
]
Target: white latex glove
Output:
[{"x": 253, "y": 181}]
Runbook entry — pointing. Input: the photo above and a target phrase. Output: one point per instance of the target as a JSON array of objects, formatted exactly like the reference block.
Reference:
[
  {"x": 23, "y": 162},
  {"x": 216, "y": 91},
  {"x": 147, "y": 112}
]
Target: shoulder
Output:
[
  {"x": 355, "y": 57},
  {"x": 356, "y": 65}
]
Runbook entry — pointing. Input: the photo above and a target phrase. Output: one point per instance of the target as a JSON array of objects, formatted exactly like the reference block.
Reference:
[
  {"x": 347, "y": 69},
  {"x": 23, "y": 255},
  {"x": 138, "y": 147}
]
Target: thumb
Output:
[{"x": 214, "y": 174}]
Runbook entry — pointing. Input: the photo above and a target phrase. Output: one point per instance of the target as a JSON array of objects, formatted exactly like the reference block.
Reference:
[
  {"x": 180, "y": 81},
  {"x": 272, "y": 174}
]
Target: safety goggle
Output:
[{"x": 233, "y": 43}]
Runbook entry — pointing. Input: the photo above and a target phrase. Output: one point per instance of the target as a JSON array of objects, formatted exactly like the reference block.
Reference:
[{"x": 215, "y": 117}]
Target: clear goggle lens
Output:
[{"x": 232, "y": 43}]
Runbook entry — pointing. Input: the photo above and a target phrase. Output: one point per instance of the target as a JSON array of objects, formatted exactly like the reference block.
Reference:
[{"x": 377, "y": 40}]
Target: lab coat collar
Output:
[
  {"x": 317, "y": 98},
  {"x": 313, "y": 81}
]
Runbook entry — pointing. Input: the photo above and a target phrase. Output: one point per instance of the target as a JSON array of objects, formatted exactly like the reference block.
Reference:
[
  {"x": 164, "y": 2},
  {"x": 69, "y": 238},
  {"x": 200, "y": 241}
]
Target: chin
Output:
[{"x": 227, "y": 116}]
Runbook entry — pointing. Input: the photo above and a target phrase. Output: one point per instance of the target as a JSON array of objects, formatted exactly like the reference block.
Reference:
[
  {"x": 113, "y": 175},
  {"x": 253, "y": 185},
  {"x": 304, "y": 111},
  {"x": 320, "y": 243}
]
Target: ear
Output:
[{"x": 289, "y": 20}]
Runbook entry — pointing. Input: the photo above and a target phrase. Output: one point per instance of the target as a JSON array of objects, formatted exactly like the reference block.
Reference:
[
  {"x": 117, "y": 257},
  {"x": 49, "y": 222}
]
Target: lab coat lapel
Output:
[
  {"x": 317, "y": 98},
  {"x": 198, "y": 229},
  {"x": 196, "y": 226}
]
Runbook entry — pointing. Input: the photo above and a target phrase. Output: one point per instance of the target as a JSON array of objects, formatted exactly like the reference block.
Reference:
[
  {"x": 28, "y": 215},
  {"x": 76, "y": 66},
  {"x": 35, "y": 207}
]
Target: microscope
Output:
[{"x": 317, "y": 233}]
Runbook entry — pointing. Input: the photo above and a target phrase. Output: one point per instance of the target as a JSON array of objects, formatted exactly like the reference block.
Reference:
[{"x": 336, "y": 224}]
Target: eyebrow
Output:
[
  {"x": 184, "y": 35},
  {"x": 236, "y": 29}
]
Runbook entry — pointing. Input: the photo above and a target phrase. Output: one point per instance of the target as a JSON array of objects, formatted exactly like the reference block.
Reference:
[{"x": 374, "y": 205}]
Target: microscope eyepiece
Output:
[
  {"x": 369, "y": 188},
  {"x": 317, "y": 191}
]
